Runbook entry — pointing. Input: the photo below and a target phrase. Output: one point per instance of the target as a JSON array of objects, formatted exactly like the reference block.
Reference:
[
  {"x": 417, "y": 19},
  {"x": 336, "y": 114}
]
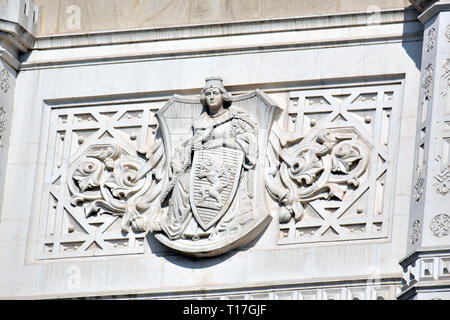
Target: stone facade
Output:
[{"x": 184, "y": 149}]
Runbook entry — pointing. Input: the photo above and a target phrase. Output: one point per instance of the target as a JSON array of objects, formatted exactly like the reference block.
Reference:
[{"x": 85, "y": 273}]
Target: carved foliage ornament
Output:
[
  {"x": 104, "y": 181},
  {"x": 201, "y": 184},
  {"x": 322, "y": 168},
  {"x": 415, "y": 232},
  {"x": 419, "y": 185},
  {"x": 4, "y": 81},
  {"x": 427, "y": 80},
  {"x": 2, "y": 126},
  {"x": 431, "y": 39},
  {"x": 445, "y": 78}
]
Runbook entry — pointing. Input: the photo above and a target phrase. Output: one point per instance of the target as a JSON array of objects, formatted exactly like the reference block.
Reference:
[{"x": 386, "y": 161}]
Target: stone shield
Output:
[{"x": 214, "y": 179}]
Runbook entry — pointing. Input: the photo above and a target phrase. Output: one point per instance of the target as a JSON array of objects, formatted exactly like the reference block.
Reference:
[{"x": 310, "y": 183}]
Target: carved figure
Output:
[{"x": 215, "y": 163}]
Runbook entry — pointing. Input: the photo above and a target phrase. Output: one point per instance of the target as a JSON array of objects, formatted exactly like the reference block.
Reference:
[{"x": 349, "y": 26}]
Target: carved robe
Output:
[{"x": 233, "y": 129}]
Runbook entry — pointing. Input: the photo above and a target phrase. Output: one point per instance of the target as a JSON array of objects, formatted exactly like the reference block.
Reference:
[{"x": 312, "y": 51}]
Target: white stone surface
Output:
[{"x": 285, "y": 64}]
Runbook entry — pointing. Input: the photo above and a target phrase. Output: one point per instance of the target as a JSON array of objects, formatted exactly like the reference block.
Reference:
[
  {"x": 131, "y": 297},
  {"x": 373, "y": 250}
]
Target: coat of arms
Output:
[
  {"x": 202, "y": 184},
  {"x": 212, "y": 200}
]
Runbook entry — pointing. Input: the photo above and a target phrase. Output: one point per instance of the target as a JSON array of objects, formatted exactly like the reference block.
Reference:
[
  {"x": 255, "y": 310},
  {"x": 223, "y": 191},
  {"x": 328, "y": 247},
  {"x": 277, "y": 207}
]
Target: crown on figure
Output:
[{"x": 214, "y": 82}]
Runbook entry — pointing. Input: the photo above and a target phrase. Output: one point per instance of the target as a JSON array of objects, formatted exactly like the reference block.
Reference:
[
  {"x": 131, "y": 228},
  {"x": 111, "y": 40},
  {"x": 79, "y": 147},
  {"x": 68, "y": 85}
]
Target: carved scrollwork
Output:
[
  {"x": 321, "y": 168},
  {"x": 431, "y": 39},
  {"x": 5, "y": 82},
  {"x": 415, "y": 231},
  {"x": 105, "y": 180},
  {"x": 2, "y": 126},
  {"x": 445, "y": 78},
  {"x": 419, "y": 186},
  {"x": 427, "y": 80},
  {"x": 443, "y": 181}
]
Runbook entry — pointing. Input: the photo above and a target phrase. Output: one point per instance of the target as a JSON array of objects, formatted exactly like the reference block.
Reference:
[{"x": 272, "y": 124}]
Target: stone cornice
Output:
[
  {"x": 18, "y": 25},
  {"x": 422, "y": 5},
  {"x": 222, "y": 29},
  {"x": 432, "y": 10}
]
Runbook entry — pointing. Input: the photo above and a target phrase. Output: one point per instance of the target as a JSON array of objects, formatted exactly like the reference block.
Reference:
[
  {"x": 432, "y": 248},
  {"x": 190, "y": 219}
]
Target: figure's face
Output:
[{"x": 214, "y": 99}]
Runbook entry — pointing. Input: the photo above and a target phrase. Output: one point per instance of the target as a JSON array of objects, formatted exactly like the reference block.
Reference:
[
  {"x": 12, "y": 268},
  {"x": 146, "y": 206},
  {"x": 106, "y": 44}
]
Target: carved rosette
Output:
[
  {"x": 414, "y": 234},
  {"x": 5, "y": 82},
  {"x": 440, "y": 225}
]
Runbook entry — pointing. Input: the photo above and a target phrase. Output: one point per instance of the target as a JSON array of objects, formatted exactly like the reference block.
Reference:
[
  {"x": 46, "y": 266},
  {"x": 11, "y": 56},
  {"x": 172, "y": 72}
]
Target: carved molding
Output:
[
  {"x": 421, "y": 5},
  {"x": 432, "y": 269}
]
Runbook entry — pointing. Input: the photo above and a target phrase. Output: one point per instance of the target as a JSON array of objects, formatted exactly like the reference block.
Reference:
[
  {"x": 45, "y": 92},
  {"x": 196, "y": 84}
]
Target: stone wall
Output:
[{"x": 79, "y": 16}]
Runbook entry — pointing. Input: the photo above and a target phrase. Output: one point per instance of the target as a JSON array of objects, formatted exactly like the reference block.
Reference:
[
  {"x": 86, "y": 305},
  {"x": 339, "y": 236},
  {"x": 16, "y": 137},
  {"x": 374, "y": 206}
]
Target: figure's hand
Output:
[{"x": 196, "y": 146}]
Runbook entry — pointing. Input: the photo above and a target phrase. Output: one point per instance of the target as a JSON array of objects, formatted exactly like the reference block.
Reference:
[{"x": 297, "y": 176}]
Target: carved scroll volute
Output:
[
  {"x": 299, "y": 171},
  {"x": 105, "y": 180}
]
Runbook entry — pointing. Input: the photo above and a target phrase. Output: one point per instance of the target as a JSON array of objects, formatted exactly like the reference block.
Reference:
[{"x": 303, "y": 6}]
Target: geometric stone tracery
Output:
[
  {"x": 90, "y": 153},
  {"x": 80, "y": 144},
  {"x": 356, "y": 208}
]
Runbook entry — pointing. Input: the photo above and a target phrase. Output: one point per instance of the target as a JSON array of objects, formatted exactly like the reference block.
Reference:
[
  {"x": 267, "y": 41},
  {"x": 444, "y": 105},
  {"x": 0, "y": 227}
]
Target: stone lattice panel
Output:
[
  {"x": 77, "y": 138},
  {"x": 358, "y": 206}
]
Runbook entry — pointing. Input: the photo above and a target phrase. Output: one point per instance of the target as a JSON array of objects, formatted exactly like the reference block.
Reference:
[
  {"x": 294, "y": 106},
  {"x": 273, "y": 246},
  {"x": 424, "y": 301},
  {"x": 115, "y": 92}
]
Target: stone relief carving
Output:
[
  {"x": 319, "y": 169},
  {"x": 445, "y": 78},
  {"x": 2, "y": 127},
  {"x": 447, "y": 32},
  {"x": 94, "y": 202},
  {"x": 327, "y": 168},
  {"x": 427, "y": 80},
  {"x": 419, "y": 185},
  {"x": 5, "y": 82},
  {"x": 443, "y": 181},
  {"x": 416, "y": 229},
  {"x": 440, "y": 225},
  {"x": 431, "y": 39},
  {"x": 201, "y": 174},
  {"x": 103, "y": 181},
  {"x": 213, "y": 200}
]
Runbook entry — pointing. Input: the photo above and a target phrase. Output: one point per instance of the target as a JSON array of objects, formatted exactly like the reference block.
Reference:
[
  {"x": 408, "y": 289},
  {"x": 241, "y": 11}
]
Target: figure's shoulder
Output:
[{"x": 241, "y": 114}]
